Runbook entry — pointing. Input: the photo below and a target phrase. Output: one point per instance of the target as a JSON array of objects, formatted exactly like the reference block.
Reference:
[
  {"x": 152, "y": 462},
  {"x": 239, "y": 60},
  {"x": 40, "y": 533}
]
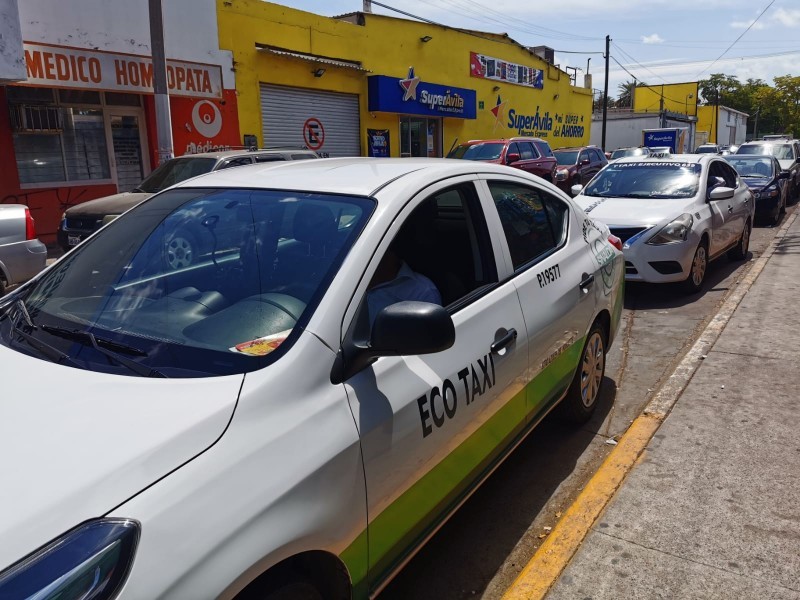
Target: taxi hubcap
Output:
[
  {"x": 699, "y": 265},
  {"x": 592, "y": 369}
]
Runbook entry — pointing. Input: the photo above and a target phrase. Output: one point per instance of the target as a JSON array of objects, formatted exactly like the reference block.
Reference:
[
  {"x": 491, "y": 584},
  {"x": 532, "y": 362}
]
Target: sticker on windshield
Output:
[
  {"x": 656, "y": 165},
  {"x": 262, "y": 346}
]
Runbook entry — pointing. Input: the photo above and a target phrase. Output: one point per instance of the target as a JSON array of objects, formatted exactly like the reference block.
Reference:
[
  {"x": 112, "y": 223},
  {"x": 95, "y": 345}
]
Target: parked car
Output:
[
  {"x": 708, "y": 149},
  {"x": 768, "y": 182},
  {"x": 788, "y": 154},
  {"x": 674, "y": 214},
  {"x": 246, "y": 426},
  {"x": 81, "y": 221},
  {"x": 578, "y": 165},
  {"x": 532, "y": 155},
  {"x": 21, "y": 255},
  {"x": 624, "y": 152}
]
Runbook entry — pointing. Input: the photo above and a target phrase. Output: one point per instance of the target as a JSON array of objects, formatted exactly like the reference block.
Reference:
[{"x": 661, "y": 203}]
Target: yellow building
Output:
[
  {"x": 366, "y": 84},
  {"x": 670, "y": 97}
]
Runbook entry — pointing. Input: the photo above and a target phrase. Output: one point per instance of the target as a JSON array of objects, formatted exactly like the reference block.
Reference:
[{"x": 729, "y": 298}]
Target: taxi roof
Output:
[{"x": 357, "y": 176}]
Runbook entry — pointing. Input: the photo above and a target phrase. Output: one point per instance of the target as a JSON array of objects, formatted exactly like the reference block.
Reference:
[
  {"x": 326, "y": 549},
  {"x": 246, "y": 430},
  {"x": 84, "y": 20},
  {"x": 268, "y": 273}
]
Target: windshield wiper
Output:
[
  {"x": 88, "y": 338},
  {"x": 51, "y": 352}
]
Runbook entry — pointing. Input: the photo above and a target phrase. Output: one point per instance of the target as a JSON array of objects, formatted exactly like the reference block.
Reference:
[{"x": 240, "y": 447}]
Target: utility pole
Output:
[
  {"x": 755, "y": 125},
  {"x": 161, "y": 93},
  {"x": 605, "y": 94}
]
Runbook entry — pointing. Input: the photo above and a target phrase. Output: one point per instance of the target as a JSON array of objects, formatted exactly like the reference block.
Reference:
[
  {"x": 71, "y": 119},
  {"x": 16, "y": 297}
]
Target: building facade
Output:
[
  {"x": 372, "y": 85},
  {"x": 722, "y": 125},
  {"x": 80, "y": 124}
]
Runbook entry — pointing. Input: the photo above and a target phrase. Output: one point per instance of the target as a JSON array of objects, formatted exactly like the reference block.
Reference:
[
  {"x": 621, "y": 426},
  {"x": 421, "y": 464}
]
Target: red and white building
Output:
[{"x": 79, "y": 123}]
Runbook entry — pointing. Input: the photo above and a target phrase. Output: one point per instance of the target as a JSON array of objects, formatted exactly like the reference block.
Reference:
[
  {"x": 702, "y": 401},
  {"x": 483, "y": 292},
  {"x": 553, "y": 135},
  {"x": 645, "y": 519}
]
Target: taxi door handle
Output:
[
  {"x": 504, "y": 341},
  {"x": 586, "y": 283}
]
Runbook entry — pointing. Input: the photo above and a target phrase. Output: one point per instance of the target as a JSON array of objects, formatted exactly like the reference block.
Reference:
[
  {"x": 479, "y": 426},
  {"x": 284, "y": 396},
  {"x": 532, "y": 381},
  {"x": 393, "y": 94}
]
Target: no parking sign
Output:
[{"x": 313, "y": 133}]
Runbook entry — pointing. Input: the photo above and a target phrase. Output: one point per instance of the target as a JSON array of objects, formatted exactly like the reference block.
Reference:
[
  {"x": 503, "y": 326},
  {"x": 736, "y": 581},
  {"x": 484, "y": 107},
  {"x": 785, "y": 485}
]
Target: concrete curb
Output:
[{"x": 552, "y": 557}]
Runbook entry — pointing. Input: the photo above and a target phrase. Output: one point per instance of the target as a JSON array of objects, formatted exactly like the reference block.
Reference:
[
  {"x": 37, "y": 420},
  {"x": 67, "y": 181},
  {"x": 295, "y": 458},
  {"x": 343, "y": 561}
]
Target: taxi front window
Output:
[
  {"x": 656, "y": 180},
  {"x": 195, "y": 282}
]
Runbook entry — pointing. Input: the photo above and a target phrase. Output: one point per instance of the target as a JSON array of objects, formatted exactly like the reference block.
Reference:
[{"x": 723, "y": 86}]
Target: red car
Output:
[
  {"x": 527, "y": 153},
  {"x": 578, "y": 165}
]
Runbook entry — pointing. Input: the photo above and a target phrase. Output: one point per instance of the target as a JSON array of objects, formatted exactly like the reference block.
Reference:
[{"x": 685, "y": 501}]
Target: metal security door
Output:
[
  {"x": 326, "y": 122},
  {"x": 127, "y": 143}
]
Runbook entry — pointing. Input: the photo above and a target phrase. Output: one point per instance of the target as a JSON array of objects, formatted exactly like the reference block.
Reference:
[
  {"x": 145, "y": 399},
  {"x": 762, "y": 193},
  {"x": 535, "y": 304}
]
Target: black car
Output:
[{"x": 769, "y": 183}]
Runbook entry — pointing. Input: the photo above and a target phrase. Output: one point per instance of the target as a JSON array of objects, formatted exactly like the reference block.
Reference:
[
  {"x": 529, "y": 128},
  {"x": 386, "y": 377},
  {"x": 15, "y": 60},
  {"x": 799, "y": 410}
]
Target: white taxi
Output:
[
  {"x": 256, "y": 423},
  {"x": 674, "y": 214}
]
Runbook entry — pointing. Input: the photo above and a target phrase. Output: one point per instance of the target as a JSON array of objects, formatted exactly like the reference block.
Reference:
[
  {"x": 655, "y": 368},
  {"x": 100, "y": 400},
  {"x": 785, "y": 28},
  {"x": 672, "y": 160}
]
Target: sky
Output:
[{"x": 653, "y": 41}]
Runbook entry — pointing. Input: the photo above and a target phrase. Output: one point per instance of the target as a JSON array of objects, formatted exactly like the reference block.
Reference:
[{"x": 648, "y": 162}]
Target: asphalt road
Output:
[{"x": 482, "y": 549}]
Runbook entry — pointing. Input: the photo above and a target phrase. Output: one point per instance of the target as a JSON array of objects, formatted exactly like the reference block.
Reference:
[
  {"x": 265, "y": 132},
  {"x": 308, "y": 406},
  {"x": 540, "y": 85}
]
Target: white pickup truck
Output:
[{"x": 21, "y": 255}]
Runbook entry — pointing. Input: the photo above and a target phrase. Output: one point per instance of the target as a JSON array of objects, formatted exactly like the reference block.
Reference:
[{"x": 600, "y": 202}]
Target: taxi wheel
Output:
[
  {"x": 739, "y": 252},
  {"x": 697, "y": 272},
  {"x": 581, "y": 400}
]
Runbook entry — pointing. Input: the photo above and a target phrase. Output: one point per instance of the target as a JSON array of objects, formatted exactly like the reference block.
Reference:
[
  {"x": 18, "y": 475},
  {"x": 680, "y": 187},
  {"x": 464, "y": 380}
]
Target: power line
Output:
[
  {"x": 633, "y": 60},
  {"x": 737, "y": 39}
]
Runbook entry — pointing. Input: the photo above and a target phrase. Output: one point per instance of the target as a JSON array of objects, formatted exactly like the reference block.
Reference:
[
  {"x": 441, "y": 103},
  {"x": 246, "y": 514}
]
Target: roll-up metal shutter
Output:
[{"x": 327, "y": 122}]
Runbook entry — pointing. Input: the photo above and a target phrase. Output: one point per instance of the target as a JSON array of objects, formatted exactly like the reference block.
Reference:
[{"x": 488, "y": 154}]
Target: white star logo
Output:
[{"x": 409, "y": 85}]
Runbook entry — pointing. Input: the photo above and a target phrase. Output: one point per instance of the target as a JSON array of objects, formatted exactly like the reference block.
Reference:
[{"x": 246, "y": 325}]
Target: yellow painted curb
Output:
[{"x": 555, "y": 553}]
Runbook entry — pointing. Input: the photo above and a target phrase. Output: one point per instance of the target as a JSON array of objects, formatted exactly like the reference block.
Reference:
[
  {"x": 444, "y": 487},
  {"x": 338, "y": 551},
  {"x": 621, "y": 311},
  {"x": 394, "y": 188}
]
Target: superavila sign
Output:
[
  {"x": 412, "y": 96},
  {"x": 65, "y": 67},
  {"x": 545, "y": 124}
]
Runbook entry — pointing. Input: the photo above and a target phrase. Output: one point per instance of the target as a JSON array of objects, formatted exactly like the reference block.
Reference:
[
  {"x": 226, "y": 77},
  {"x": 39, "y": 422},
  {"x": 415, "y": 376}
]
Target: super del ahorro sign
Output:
[{"x": 413, "y": 96}]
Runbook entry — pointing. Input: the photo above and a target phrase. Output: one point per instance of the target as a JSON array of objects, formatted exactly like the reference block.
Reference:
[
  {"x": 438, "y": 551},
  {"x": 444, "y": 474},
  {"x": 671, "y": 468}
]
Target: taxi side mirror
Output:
[
  {"x": 400, "y": 329},
  {"x": 721, "y": 193},
  {"x": 408, "y": 328},
  {"x": 576, "y": 189}
]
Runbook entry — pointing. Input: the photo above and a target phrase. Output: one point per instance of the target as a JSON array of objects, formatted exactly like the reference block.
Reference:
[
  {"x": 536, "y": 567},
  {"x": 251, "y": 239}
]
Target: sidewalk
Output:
[{"x": 712, "y": 507}]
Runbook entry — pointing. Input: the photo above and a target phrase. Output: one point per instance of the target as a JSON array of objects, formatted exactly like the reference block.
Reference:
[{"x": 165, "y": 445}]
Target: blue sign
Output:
[
  {"x": 661, "y": 138},
  {"x": 413, "y": 96}
]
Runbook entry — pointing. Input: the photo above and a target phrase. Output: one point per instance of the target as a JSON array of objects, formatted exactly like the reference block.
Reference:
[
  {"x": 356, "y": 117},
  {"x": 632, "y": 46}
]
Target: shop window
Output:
[
  {"x": 79, "y": 97},
  {"x": 122, "y": 99},
  {"x": 56, "y": 144}
]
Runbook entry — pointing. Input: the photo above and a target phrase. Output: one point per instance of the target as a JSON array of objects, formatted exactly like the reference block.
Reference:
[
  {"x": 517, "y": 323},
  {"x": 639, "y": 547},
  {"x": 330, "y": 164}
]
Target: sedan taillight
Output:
[
  {"x": 615, "y": 241},
  {"x": 30, "y": 226}
]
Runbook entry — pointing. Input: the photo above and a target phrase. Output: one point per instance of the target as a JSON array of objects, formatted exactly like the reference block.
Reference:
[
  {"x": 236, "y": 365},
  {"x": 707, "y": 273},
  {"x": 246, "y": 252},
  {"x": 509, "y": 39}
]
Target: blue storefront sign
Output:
[{"x": 413, "y": 96}]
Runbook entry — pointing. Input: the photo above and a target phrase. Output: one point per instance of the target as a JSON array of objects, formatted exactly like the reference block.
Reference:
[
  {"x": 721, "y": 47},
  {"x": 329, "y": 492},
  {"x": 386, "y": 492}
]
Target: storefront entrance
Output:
[{"x": 420, "y": 136}]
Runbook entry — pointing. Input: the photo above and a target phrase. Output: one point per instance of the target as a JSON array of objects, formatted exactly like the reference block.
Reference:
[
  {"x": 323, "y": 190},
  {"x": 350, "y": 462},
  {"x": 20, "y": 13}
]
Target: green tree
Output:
[
  {"x": 625, "y": 90},
  {"x": 721, "y": 89},
  {"x": 787, "y": 98}
]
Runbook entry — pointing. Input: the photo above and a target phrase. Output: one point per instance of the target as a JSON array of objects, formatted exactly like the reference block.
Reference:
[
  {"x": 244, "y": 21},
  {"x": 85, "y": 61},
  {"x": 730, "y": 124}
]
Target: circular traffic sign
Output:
[{"x": 313, "y": 133}]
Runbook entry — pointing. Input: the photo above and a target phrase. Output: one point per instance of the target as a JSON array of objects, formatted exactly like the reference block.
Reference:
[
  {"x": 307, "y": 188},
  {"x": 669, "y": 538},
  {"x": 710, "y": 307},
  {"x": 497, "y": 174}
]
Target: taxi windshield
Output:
[
  {"x": 656, "y": 180},
  {"x": 194, "y": 282}
]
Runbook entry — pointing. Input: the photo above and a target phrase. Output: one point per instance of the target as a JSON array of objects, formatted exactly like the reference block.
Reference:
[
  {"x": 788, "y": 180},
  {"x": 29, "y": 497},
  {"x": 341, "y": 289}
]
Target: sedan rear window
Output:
[
  {"x": 779, "y": 151},
  {"x": 196, "y": 282},
  {"x": 646, "y": 180},
  {"x": 174, "y": 171}
]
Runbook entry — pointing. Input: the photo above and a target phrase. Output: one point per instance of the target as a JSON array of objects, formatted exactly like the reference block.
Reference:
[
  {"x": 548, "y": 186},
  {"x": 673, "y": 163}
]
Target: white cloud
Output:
[
  {"x": 652, "y": 39},
  {"x": 789, "y": 18},
  {"x": 746, "y": 24}
]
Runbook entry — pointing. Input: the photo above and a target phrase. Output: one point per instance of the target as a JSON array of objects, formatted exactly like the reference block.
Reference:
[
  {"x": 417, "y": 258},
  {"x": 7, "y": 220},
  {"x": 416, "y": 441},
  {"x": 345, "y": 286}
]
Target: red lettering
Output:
[
  {"x": 133, "y": 73},
  {"x": 95, "y": 72},
  {"x": 33, "y": 63},
  {"x": 81, "y": 69},
  {"x": 49, "y": 65},
  {"x": 62, "y": 67},
  {"x": 180, "y": 76},
  {"x": 190, "y": 86},
  {"x": 122, "y": 75},
  {"x": 147, "y": 75},
  {"x": 206, "y": 86}
]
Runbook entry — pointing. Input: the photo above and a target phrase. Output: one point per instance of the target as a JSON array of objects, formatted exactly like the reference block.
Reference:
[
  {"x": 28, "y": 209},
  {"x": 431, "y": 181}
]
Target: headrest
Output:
[{"x": 314, "y": 223}]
